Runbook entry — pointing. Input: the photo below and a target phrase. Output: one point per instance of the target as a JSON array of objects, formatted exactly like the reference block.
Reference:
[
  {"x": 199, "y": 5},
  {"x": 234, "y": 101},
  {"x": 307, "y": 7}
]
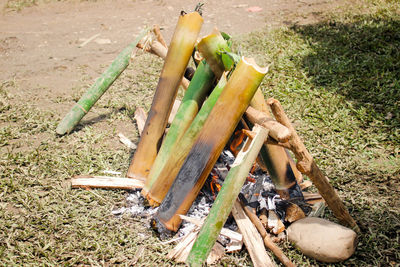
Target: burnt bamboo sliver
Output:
[
  {"x": 214, "y": 135},
  {"x": 179, "y": 53}
]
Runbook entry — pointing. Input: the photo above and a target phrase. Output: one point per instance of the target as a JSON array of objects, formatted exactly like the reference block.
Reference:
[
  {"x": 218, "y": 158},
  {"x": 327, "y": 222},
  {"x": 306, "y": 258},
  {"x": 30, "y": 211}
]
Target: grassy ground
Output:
[{"x": 340, "y": 82}]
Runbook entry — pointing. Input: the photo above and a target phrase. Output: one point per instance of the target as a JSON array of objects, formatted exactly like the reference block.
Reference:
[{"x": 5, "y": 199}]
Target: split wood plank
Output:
[
  {"x": 252, "y": 238},
  {"x": 267, "y": 240},
  {"x": 106, "y": 182}
]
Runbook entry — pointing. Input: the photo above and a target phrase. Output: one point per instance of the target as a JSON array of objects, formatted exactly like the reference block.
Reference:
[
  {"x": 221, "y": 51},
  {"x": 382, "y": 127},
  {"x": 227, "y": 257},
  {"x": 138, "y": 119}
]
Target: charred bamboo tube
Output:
[
  {"x": 214, "y": 135},
  {"x": 307, "y": 165},
  {"x": 200, "y": 85},
  {"x": 181, "y": 48},
  {"x": 86, "y": 102},
  {"x": 226, "y": 197},
  {"x": 274, "y": 157},
  {"x": 166, "y": 177}
]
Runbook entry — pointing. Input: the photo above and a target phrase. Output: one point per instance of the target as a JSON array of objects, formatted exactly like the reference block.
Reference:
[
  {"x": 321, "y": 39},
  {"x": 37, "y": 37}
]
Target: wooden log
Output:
[
  {"x": 226, "y": 197},
  {"x": 214, "y": 135},
  {"x": 178, "y": 56},
  {"x": 86, "y": 102},
  {"x": 159, "y": 189},
  {"x": 199, "y": 87},
  {"x": 108, "y": 182},
  {"x": 267, "y": 240},
  {"x": 307, "y": 165},
  {"x": 276, "y": 130},
  {"x": 252, "y": 239}
]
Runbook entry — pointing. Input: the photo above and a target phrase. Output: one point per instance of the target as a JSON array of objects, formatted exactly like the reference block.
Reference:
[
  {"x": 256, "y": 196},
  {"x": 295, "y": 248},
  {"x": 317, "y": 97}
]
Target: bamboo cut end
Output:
[{"x": 251, "y": 62}]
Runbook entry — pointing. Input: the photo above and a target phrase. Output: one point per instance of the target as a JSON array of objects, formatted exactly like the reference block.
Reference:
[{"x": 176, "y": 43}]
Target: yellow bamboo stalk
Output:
[{"x": 179, "y": 53}]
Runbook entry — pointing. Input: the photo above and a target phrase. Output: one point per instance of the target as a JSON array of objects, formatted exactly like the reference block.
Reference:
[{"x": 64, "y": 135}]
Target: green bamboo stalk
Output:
[
  {"x": 199, "y": 86},
  {"x": 178, "y": 56},
  {"x": 226, "y": 198},
  {"x": 212, "y": 47},
  {"x": 166, "y": 177},
  {"x": 214, "y": 135},
  {"x": 80, "y": 109}
]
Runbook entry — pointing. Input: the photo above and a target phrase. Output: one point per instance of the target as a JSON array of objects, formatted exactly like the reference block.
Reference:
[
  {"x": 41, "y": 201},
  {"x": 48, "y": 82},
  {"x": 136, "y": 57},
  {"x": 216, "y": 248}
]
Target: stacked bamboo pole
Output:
[{"x": 179, "y": 52}]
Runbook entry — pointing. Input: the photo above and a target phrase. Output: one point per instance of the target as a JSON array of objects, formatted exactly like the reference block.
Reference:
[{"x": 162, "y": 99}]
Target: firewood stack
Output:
[{"x": 222, "y": 111}]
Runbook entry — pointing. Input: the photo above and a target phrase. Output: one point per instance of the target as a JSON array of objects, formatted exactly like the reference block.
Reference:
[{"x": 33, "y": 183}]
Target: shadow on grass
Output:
[{"x": 360, "y": 60}]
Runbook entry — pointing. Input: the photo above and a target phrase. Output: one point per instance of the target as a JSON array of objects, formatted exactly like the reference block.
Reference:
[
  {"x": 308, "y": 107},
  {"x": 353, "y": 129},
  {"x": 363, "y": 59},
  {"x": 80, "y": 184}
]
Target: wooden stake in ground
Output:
[
  {"x": 178, "y": 56},
  {"x": 307, "y": 165},
  {"x": 194, "y": 96},
  {"x": 216, "y": 132},
  {"x": 86, "y": 102},
  {"x": 251, "y": 238},
  {"x": 226, "y": 197}
]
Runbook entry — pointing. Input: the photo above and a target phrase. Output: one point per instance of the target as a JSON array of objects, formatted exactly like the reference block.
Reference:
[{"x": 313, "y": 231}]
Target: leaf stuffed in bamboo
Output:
[
  {"x": 214, "y": 135},
  {"x": 179, "y": 53}
]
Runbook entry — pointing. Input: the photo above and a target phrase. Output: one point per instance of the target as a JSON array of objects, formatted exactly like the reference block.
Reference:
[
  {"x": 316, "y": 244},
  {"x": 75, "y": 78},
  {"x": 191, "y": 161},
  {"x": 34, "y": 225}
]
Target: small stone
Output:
[{"x": 322, "y": 240}]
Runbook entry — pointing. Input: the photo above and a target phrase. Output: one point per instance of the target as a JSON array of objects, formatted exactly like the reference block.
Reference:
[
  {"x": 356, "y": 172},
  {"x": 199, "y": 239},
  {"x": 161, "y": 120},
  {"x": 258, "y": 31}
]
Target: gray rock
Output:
[{"x": 322, "y": 240}]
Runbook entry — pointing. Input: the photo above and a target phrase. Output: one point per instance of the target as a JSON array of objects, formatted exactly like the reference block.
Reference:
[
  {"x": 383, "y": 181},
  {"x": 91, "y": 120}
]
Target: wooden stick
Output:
[
  {"x": 140, "y": 117},
  {"x": 252, "y": 238},
  {"x": 276, "y": 130},
  {"x": 267, "y": 240},
  {"x": 307, "y": 165},
  {"x": 226, "y": 197},
  {"x": 181, "y": 48},
  {"x": 160, "y": 38},
  {"x": 105, "y": 182}
]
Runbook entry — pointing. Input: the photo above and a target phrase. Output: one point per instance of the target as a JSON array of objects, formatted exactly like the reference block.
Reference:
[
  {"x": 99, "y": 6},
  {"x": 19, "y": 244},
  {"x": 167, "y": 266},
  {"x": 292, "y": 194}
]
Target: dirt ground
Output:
[{"x": 39, "y": 46}]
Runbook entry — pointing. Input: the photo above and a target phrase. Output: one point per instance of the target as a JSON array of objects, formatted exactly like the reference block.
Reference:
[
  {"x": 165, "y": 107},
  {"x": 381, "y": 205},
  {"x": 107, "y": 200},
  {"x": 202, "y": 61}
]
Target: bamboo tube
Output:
[
  {"x": 211, "y": 47},
  {"x": 307, "y": 165},
  {"x": 274, "y": 157},
  {"x": 267, "y": 240},
  {"x": 200, "y": 85},
  {"x": 86, "y": 102},
  {"x": 178, "y": 56},
  {"x": 214, "y": 135},
  {"x": 178, "y": 154},
  {"x": 226, "y": 197}
]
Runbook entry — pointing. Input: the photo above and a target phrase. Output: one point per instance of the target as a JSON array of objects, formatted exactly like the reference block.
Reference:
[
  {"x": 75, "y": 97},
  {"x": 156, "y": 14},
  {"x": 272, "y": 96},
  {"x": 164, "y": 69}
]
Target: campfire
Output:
[{"x": 219, "y": 160}]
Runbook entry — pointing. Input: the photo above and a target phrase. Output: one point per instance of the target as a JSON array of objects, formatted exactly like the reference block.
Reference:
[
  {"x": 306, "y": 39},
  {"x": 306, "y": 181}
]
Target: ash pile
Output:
[{"x": 226, "y": 156}]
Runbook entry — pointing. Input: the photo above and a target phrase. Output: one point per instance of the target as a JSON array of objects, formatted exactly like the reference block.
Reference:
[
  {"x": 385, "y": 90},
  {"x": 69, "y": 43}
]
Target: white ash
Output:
[
  {"x": 200, "y": 209},
  {"x": 136, "y": 206}
]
